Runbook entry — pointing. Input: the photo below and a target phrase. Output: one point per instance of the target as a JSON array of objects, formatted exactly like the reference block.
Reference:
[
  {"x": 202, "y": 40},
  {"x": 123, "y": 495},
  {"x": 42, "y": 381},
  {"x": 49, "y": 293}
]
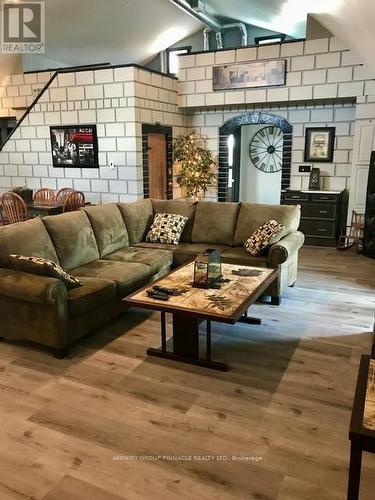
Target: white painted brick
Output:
[
  {"x": 118, "y": 186},
  {"x": 209, "y": 72},
  {"x": 90, "y": 173},
  {"x": 12, "y": 91},
  {"x": 57, "y": 94},
  {"x": 30, "y": 78},
  {"x": 291, "y": 49},
  {"x": 325, "y": 91},
  {"x": 342, "y": 128},
  {"x": 321, "y": 115},
  {"x": 30, "y": 158},
  {"x": 109, "y": 198},
  {"x": 5, "y": 182},
  {"x": 256, "y": 96},
  {"x": 363, "y": 73},
  {"x": 42, "y": 132},
  {"x": 69, "y": 117},
  {"x": 99, "y": 186},
  {"x": 15, "y": 158},
  {"x": 126, "y": 144},
  {"x": 82, "y": 184},
  {"x": 114, "y": 129},
  {"x": 340, "y": 156},
  {"x": 202, "y": 86},
  {"x": 116, "y": 158},
  {"x": 314, "y": 76},
  {"x": 73, "y": 173},
  {"x": 66, "y": 79},
  {"x": 316, "y": 46},
  {"x": 196, "y": 73},
  {"x": 87, "y": 116},
  {"x": 303, "y": 63},
  {"x": 344, "y": 142},
  {"x": 225, "y": 56},
  {"x": 300, "y": 93},
  {"x": 103, "y": 75},
  {"x": 156, "y": 79},
  {"x": 17, "y": 79},
  {"x": 269, "y": 51},
  {"x": 340, "y": 74},
  {"x": 43, "y": 77},
  {"x": 335, "y": 183},
  {"x": 186, "y": 61},
  {"x": 215, "y": 99},
  {"x": 195, "y": 100},
  {"x": 130, "y": 173},
  {"x": 106, "y": 115},
  {"x": 349, "y": 58},
  {"x": 114, "y": 90},
  {"x": 56, "y": 172},
  {"x": 143, "y": 76},
  {"x": 185, "y": 87},
  {"x": 107, "y": 172},
  {"x": 293, "y": 78},
  {"x": 25, "y": 90},
  {"x": 125, "y": 74},
  {"x": 45, "y": 158},
  {"x": 351, "y": 89},
  {"x": 343, "y": 170},
  {"x": 335, "y": 44},
  {"x": 28, "y": 132},
  {"x": 370, "y": 88},
  {"x": 11, "y": 170},
  {"x": 25, "y": 170},
  {"x": 33, "y": 182},
  {"x": 278, "y": 94},
  {"x": 205, "y": 59},
  {"x": 76, "y": 93},
  {"x": 299, "y": 116},
  {"x": 248, "y": 54},
  {"x": 85, "y": 77},
  {"x": 49, "y": 183},
  {"x": 107, "y": 144},
  {"x": 235, "y": 97},
  {"x": 329, "y": 60},
  {"x": 52, "y": 118},
  {"x": 38, "y": 145},
  {"x": 36, "y": 119},
  {"x": 153, "y": 92},
  {"x": 40, "y": 170},
  {"x": 94, "y": 92},
  {"x": 135, "y": 187},
  {"x": 344, "y": 114}
]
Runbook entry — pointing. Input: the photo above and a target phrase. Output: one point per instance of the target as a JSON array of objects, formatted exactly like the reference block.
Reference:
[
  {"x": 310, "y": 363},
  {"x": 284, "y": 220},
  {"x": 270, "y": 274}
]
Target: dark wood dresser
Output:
[{"x": 323, "y": 214}]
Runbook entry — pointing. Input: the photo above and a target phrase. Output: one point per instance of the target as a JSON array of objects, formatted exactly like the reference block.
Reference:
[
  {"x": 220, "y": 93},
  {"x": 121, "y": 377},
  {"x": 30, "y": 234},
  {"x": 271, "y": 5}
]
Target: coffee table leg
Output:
[
  {"x": 250, "y": 320},
  {"x": 354, "y": 471},
  {"x": 186, "y": 343}
]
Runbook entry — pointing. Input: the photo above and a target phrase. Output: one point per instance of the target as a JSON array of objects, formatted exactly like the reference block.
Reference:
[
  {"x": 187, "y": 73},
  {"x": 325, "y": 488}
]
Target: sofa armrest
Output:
[
  {"x": 280, "y": 251},
  {"x": 31, "y": 287}
]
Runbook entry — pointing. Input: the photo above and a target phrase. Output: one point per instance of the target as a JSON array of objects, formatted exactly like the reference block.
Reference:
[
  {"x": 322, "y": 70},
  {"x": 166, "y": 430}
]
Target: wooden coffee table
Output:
[{"x": 190, "y": 306}]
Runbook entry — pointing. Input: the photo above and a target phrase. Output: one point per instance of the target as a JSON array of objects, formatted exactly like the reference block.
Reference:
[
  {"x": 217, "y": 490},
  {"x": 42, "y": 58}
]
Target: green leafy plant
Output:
[{"x": 198, "y": 165}]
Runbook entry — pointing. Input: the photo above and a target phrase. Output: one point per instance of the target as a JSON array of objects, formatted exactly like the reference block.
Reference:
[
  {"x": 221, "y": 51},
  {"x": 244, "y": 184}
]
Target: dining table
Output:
[{"x": 37, "y": 209}]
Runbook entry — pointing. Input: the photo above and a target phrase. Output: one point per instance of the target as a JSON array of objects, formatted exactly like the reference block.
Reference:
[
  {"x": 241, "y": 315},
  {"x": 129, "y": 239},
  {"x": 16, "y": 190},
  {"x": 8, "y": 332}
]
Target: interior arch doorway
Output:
[{"x": 254, "y": 158}]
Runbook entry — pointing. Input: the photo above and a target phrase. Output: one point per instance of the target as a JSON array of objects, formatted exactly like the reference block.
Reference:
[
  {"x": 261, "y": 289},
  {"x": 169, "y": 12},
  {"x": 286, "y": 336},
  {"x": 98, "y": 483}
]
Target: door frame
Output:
[
  {"x": 233, "y": 126},
  {"x": 167, "y": 131}
]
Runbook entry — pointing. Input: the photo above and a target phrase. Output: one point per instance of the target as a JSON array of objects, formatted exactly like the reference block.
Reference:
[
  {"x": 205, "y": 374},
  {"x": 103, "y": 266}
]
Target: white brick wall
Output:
[{"x": 117, "y": 101}]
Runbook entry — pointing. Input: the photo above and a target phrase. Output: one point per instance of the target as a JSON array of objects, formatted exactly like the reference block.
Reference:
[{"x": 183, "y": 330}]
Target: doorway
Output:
[
  {"x": 234, "y": 180},
  {"x": 260, "y": 164},
  {"x": 157, "y": 162}
]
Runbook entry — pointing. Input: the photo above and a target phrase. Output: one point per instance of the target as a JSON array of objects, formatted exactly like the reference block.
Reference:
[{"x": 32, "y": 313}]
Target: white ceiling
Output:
[{"x": 122, "y": 31}]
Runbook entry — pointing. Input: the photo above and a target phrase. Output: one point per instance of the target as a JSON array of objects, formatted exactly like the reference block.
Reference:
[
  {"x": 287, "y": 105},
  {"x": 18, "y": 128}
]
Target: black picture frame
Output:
[
  {"x": 74, "y": 146},
  {"x": 268, "y": 73},
  {"x": 319, "y": 144}
]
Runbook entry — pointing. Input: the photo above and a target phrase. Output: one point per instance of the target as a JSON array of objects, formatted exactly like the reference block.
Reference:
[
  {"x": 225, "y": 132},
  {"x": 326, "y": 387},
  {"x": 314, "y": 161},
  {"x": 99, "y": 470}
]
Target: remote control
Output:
[
  {"x": 163, "y": 289},
  {"x": 157, "y": 295}
]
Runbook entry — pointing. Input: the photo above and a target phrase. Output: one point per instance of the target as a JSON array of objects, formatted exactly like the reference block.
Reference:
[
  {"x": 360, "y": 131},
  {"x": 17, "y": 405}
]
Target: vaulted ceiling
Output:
[{"x": 120, "y": 31}]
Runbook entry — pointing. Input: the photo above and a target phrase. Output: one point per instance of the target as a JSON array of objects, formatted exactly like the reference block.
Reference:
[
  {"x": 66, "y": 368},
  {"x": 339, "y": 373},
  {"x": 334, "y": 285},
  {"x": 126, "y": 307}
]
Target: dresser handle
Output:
[
  {"x": 323, "y": 211},
  {"x": 322, "y": 230},
  {"x": 324, "y": 198},
  {"x": 295, "y": 197}
]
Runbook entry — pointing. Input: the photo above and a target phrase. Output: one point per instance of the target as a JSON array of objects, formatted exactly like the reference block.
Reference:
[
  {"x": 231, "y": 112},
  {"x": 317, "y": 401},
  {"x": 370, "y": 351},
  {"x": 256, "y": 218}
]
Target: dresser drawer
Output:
[
  {"x": 332, "y": 198},
  {"x": 318, "y": 211},
  {"x": 296, "y": 196},
  {"x": 318, "y": 229}
]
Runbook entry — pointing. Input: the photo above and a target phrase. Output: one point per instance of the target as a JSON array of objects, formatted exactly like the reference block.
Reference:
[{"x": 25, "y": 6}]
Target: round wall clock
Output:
[{"x": 266, "y": 149}]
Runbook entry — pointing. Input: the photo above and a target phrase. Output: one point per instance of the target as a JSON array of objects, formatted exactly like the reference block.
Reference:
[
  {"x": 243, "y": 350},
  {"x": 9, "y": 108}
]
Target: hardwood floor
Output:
[{"x": 286, "y": 399}]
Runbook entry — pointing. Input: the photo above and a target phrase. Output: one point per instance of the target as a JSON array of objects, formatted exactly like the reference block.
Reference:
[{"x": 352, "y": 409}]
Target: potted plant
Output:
[{"x": 197, "y": 164}]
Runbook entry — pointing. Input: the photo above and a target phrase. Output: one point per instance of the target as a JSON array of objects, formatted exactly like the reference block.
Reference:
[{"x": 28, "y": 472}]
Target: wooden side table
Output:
[{"x": 362, "y": 424}]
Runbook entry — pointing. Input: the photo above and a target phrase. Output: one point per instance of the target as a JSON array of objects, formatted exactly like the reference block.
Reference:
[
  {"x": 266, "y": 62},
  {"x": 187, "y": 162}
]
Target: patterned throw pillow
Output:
[
  {"x": 261, "y": 238},
  {"x": 43, "y": 267},
  {"x": 166, "y": 228}
]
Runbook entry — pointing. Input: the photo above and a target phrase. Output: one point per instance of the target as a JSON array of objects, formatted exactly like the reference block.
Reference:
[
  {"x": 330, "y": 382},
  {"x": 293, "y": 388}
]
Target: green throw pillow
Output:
[{"x": 43, "y": 267}]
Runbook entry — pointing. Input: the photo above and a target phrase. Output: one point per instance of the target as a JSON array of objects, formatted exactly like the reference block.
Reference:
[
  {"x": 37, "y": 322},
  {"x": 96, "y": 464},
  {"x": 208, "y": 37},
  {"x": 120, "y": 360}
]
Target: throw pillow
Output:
[
  {"x": 43, "y": 267},
  {"x": 261, "y": 238},
  {"x": 166, "y": 228}
]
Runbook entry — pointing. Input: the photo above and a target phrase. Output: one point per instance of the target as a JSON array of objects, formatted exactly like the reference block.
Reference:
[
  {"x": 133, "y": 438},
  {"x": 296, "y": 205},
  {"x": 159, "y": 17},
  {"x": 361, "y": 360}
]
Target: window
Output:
[
  {"x": 173, "y": 54},
  {"x": 263, "y": 40}
]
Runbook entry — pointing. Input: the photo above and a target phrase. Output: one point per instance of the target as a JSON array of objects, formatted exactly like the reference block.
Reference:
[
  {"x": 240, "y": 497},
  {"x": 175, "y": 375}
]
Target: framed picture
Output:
[
  {"x": 249, "y": 75},
  {"x": 74, "y": 146},
  {"x": 319, "y": 144}
]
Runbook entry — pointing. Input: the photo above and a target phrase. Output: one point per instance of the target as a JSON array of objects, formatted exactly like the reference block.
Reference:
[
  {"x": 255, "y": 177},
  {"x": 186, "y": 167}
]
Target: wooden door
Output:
[{"x": 157, "y": 166}]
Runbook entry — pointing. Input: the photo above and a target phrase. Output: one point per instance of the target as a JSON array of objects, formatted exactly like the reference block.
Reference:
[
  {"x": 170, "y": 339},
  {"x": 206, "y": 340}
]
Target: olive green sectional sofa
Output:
[{"x": 105, "y": 247}]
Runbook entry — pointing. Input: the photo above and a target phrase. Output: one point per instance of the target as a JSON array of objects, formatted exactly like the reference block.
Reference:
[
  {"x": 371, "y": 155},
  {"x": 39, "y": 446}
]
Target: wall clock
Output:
[{"x": 266, "y": 149}]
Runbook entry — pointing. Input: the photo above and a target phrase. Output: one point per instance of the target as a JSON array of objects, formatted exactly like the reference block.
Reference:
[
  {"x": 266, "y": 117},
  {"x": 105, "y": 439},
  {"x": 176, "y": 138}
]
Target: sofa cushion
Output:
[
  {"x": 128, "y": 276},
  {"x": 188, "y": 251},
  {"x": 253, "y": 215},
  {"x": 215, "y": 222},
  {"x": 93, "y": 293},
  {"x": 26, "y": 238},
  {"x": 160, "y": 246},
  {"x": 109, "y": 228},
  {"x": 73, "y": 238},
  {"x": 238, "y": 255},
  {"x": 180, "y": 207},
  {"x": 138, "y": 218},
  {"x": 43, "y": 267},
  {"x": 156, "y": 259}
]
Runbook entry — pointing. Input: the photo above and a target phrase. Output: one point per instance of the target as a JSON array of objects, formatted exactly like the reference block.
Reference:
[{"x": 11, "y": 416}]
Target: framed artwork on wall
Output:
[
  {"x": 319, "y": 144},
  {"x": 249, "y": 75},
  {"x": 74, "y": 146}
]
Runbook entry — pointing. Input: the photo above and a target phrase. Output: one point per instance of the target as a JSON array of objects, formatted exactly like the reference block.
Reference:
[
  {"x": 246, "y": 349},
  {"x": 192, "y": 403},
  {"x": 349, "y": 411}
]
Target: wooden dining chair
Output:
[
  {"x": 14, "y": 209},
  {"x": 44, "y": 196},
  {"x": 74, "y": 201},
  {"x": 63, "y": 193}
]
